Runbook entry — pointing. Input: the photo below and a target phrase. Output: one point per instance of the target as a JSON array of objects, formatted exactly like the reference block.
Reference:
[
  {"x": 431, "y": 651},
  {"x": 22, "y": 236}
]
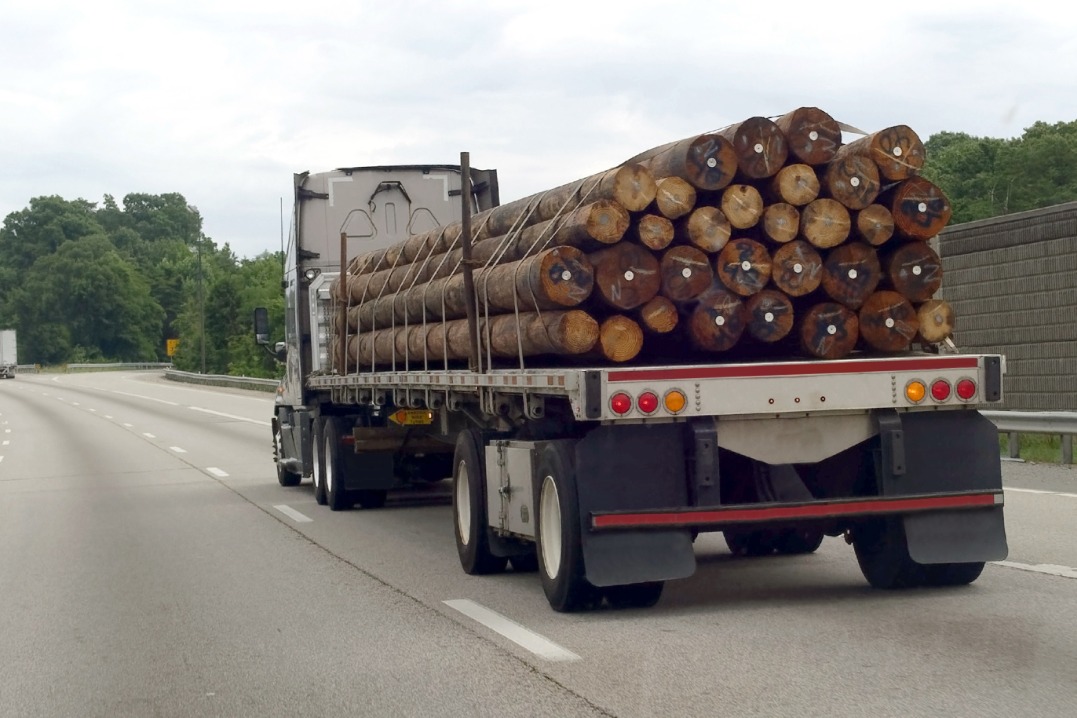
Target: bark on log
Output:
[
  {"x": 620, "y": 339},
  {"x": 781, "y": 222},
  {"x": 653, "y": 232},
  {"x": 675, "y": 197},
  {"x": 707, "y": 162},
  {"x": 743, "y": 266},
  {"x": 759, "y": 145},
  {"x": 936, "y": 319},
  {"x": 769, "y": 315},
  {"x": 796, "y": 268},
  {"x": 920, "y": 208},
  {"x": 717, "y": 321},
  {"x": 626, "y": 275},
  {"x": 813, "y": 135},
  {"x": 742, "y": 205},
  {"x": 825, "y": 223},
  {"x": 851, "y": 273},
  {"x": 828, "y": 330},
  {"x": 659, "y": 316},
  {"x": 888, "y": 322},
  {"x": 686, "y": 272},
  {"x": 706, "y": 229},
  {"x": 853, "y": 181},
  {"x": 874, "y": 224},
  {"x": 897, "y": 151},
  {"x": 795, "y": 184},
  {"x": 914, "y": 270}
]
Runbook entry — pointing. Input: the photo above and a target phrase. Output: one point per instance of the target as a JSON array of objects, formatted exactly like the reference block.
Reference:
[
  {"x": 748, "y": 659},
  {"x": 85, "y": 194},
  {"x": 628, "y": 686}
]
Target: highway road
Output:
[{"x": 150, "y": 565}]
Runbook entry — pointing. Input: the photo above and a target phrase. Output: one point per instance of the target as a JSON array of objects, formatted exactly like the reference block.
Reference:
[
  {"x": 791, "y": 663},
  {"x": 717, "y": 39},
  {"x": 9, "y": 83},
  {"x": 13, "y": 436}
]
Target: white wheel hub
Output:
[
  {"x": 550, "y": 527},
  {"x": 328, "y": 466},
  {"x": 462, "y": 498}
]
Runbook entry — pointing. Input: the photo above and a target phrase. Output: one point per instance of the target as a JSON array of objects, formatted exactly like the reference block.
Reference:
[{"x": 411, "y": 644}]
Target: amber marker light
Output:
[
  {"x": 675, "y": 401},
  {"x": 915, "y": 391}
]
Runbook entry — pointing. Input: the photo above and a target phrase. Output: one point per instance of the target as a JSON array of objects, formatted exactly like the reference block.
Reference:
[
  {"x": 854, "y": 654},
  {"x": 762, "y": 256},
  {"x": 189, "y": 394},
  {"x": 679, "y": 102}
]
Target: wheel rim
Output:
[
  {"x": 462, "y": 497},
  {"x": 328, "y": 466},
  {"x": 550, "y": 527},
  {"x": 316, "y": 456}
]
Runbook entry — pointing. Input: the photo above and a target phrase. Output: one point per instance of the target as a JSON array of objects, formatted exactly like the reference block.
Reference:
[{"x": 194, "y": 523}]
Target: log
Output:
[
  {"x": 706, "y": 229},
  {"x": 851, "y": 273},
  {"x": 743, "y": 266},
  {"x": 920, "y": 208},
  {"x": 659, "y": 316},
  {"x": 828, "y": 330},
  {"x": 675, "y": 197},
  {"x": 795, "y": 184},
  {"x": 888, "y": 322},
  {"x": 813, "y": 136},
  {"x": 769, "y": 315},
  {"x": 781, "y": 222},
  {"x": 652, "y": 231},
  {"x": 760, "y": 147},
  {"x": 936, "y": 320},
  {"x": 874, "y": 224},
  {"x": 897, "y": 151},
  {"x": 796, "y": 268},
  {"x": 717, "y": 321},
  {"x": 620, "y": 339},
  {"x": 914, "y": 270},
  {"x": 742, "y": 205},
  {"x": 853, "y": 181},
  {"x": 626, "y": 275},
  {"x": 631, "y": 186},
  {"x": 686, "y": 272},
  {"x": 707, "y": 162},
  {"x": 825, "y": 223}
]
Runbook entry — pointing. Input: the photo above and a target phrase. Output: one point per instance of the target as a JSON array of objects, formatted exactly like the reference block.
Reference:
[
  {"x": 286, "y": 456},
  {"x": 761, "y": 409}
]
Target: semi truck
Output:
[
  {"x": 600, "y": 477},
  {"x": 9, "y": 359}
]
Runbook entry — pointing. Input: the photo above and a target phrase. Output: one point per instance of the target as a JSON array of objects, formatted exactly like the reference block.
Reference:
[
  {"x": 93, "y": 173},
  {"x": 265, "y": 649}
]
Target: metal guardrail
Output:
[
  {"x": 122, "y": 366},
  {"x": 28, "y": 369},
  {"x": 231, "y": 382},
  {"x": 1015, "y": 423}
]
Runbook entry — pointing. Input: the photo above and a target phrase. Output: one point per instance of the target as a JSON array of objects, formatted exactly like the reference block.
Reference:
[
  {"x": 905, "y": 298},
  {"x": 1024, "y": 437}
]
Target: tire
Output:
[
  {"x": 637, "y": 595},
  {"x": 560, "y": 554},
  {"x": 952, "y": 574},
  {"x": 749, "y": 543},
  {"x": 336, "y": 494},
  {"x": 318, "y": 456},
  {"x": 370, "y": 498},
  {"x": 883, "y": 555},
  {"x": 797, "y": 542},
  {"x": 469, "y": 507},
  {"x": 525, "y": 562},
  {"x": 284, "y": 476}
]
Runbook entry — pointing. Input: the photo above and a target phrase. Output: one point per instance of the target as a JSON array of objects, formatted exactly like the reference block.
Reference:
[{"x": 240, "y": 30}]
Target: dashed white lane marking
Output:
[
  {"x": 148, "y": 435},
  {"x": 523, "y": 637},
  {"x": 1040, "y": 491},
  {"x": 1, "y": 457},
  {"x": 93, "y": 410},
  {"x": 74, "y": 403},
  {"x": 217, "y": 472},
  {"x": 5, "y": 443},
  {"x": 229, "y": 416},
  {"x": 107, "y": 416},
  {"x": 7, "y": 431},
  {"x": 1048, "y": 568},
  {"x": 177, "y": 450},
  {"x": 147, "y": 398},
  {"x": 129, "y": 426},
  {"x": 293, "y": 514}
]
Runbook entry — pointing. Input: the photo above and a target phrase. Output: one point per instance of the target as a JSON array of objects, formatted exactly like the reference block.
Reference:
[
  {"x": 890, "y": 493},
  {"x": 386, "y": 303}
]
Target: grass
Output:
[{"x": 1041, "y": 448}]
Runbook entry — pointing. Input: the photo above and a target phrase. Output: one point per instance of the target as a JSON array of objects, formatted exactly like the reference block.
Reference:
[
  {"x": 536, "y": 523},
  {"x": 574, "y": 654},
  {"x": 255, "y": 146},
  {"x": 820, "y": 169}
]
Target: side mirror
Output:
[
  {"x": 261, "y": 326},
  {"x": 280, "y": 351}
]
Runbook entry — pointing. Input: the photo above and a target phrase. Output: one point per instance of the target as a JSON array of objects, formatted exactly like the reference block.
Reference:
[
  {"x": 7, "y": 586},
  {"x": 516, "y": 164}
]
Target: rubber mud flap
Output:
[{"x": 956, "y": 536}]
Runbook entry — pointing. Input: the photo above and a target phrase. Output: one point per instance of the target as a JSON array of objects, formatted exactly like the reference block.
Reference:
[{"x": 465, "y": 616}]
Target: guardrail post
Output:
[
  {"x": 1015, "y": 445},
  {"x": 1067, "y": 448}
]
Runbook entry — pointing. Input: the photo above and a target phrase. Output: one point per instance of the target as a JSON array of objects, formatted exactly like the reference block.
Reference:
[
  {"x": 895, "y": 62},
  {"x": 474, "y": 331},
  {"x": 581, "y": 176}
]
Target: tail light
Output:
[
  {"x": 940, "y": 390},
  {"x": 966, "y": 389},
  {"x": 647, "y": 402},
  {"x": 620, "y": 403}
]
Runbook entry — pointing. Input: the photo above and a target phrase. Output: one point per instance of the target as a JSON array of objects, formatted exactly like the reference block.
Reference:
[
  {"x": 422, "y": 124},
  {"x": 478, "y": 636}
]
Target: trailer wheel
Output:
[
  {"x": 795, "y": 542},
  {"x": 284, "y": 476},
  {"x": 883, "y": 554},
  {"x": 560, "y": 555},
  {"x": 637, "y": 595},
  {"x": 318, "y": 457},
  {"x": 337, "y": 496},
  {"x": 952, "y": 574},
  {"x": 469, "y": 507},
  {"x": 749, "y": 543}
]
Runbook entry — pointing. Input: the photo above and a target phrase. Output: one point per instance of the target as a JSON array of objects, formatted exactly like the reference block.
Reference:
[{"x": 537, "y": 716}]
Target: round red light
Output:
[
  {"x": 647, "y": 402},
  {"x": 966, "y": 389},
  {"x": 621, "y": 403},
  {"x": 940, "y": 390}
]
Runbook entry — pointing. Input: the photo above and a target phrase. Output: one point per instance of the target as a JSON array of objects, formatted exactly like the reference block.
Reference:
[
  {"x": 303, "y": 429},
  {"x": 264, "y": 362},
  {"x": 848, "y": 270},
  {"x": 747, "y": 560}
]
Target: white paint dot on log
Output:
[
  {"x": 566, "y": 275},
  {"x": 686, "y": 272},
  {"x": 917, "y": 271},
  {"x": 746, "y": 265},
  {"x": 852, "y": 274},
  {"x": 922, "y": 206},
  {"x": 711, "y": 162},
  {"x": 813, "y": 135},
  {"x": 769, "y": 317},
  {"x": 629, "y": 275},
  {"x": 889, "y": 322},
  {"x": 855, "y": 181},
  {"x": 897, "y": 152},
  {"x": 719, "y": 321},
  {"x": 798, "y": 267},
  {"x": 759, "y": 148},
  {"x": 831, "y": 330}
]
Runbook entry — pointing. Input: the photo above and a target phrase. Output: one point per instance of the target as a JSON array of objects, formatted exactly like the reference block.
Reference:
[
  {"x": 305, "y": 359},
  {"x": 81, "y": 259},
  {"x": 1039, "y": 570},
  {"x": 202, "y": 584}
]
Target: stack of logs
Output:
[{"x": 768, "y": 238}]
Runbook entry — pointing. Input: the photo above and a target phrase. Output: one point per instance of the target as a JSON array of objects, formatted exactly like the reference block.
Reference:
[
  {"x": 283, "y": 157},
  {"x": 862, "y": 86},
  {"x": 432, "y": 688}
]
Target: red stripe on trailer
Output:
[
  {"x": 744, "y": 514},
  {"x": 739, "y": 371}
]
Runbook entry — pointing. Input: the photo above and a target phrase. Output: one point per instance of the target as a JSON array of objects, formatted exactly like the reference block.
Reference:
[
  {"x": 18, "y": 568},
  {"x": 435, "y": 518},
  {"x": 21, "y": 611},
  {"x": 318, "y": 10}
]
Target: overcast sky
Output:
[{"x": 223, "y": 100}]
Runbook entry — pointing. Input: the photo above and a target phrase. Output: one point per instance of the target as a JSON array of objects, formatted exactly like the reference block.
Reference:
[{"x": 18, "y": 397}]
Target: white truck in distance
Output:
[
  {"x": 9, "y": 359},
  {"x": 588, "y": 474}
]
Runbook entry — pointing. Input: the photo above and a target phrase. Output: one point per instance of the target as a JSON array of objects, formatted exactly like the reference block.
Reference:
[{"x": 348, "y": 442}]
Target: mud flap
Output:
[
  {"x": 956, "y": 536},
  {"x": 625, "y": 468}
]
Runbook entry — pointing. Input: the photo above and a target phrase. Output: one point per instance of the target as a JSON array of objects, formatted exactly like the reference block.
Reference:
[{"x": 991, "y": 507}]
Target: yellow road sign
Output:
[
  {"x": 170, "y": 346},
  {"x": 412, "y": 417}
]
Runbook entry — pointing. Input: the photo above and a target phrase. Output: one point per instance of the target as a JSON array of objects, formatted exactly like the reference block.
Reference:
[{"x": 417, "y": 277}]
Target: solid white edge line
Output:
[
  {"x": 523, "y": 637},
  {"x": 1041, "y": 492},
  {"x": 217, "y": 472},
  {"x": 293, "y": 514},
  {"x": 229, "y": 416},
  {"x": 177, "y": 450},
  {"x": 1048, "y": 568}
]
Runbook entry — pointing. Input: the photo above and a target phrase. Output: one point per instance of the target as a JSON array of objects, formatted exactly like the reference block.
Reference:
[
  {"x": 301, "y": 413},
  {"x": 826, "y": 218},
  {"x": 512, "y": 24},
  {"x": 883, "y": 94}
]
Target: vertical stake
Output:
[
  {"x": 342, "y": 292},
  {"x": 474, "y": 355}
]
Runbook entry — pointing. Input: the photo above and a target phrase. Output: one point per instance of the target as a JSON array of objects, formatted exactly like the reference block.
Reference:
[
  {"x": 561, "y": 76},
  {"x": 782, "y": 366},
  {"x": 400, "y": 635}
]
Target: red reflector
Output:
[
  {"x": 966, "y": 389},
  {"x": 647, "y": 402},
  {"x": 621, "y": 403},
  {"x": 940, "y": 390}
]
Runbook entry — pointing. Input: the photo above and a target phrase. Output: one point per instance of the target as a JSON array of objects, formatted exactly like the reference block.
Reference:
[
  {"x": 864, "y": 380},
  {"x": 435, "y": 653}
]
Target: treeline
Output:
[{"x": 113, "y": 283}]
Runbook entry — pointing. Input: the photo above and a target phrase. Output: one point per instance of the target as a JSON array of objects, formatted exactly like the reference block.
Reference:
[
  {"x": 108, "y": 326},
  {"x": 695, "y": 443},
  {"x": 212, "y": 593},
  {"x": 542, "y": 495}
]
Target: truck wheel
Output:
[
  {"x": 952, "y": 574},
  {"x": 637, "y": 595},
  {"x": 336, "y": 495},
  {"x": 558, "y": 544},
  {"x": 469, "y": 507},
  {"x": 284, "y": 476},
  {"x": 749, "y": 543},
  {"x": 883, "y": 554},
  {"x": 794, "y": 542},
  {"x": 318, "y": 456}
]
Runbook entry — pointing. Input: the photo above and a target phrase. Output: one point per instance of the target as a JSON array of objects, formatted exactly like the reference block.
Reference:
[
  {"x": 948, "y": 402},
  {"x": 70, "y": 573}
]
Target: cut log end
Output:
[
  {"x": 888, "y": 322},
  {"x": 813, "y": 135},
  {"x": 565, "y": 278},
  {"x": 760, "y": 147},
  {"x": 770, "y": 315},
  {"x": 706, "y": 228},
  {"x": 897, "y": 151},
  {"x": 781, "y": 222},
  {"x": 828, "y": 331},
  {"x": 626, "y": 275},
  {"x": 620, "y": 339},
  {"x": 654, "y": 232},
  {"x": 742, "y": 205},
  {"x": 717, "y": 321},
  {"x": 825, "y": 223},
  {"x": 874, "y": 224},
  {"x": 659, "y": 316},
  {"x": 851, "y": 273},
  {"x": 744, "y": 266},
  {"x": 685, "y": 271},
  {"x": 606, "y": 221},
  {"x": 914, "y": 270},
  {"x": 936, "y": 321},
  {"x": 795, "y": 184},
  {"x": 797, "y": 269},
  {"x": 920, "y": 208},
  {"x": 634, "y": 187},
  {"x": 853, "y": 181},
  {"x": 711, "y": 162},
  {"x": 675, "y": 197}
]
